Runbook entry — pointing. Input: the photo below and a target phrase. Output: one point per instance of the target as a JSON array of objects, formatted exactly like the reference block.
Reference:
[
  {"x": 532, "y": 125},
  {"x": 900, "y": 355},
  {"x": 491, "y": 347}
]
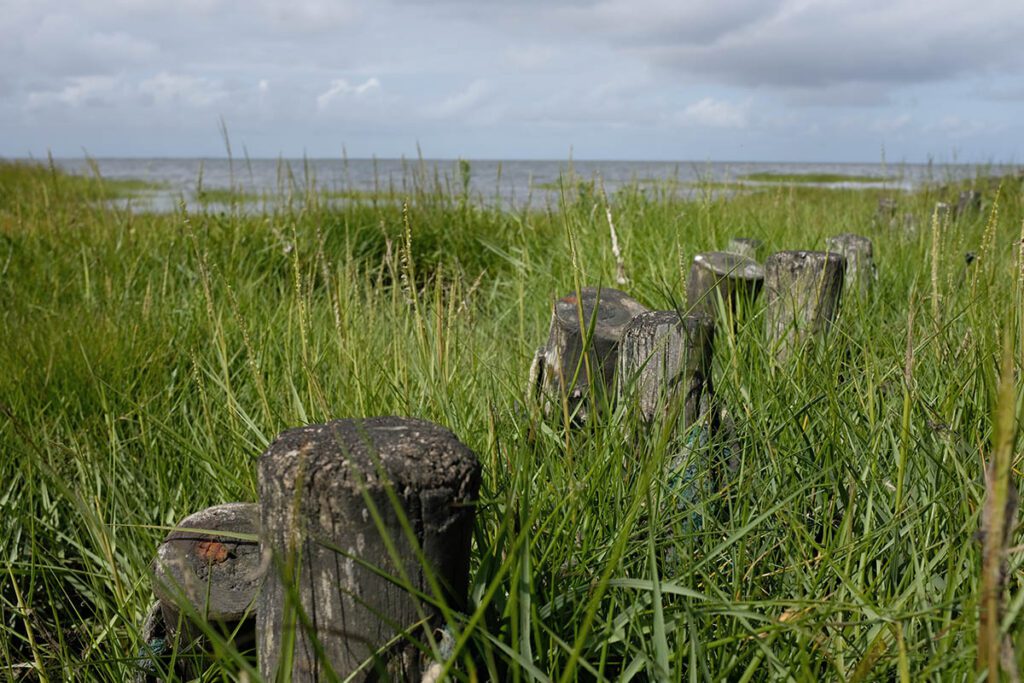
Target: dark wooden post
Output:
[
  {"x": 803, "y": 292},
  {"x": 205, "y": 570},
  {"x": 665, "y": 359},
  {"x": 330, "y": 601},
  {"x": 562, "y": 358},
  {"x": 860, "y": 264},
  {"x": 746, "y": 246},
  {"x": 716, "y": 274}
]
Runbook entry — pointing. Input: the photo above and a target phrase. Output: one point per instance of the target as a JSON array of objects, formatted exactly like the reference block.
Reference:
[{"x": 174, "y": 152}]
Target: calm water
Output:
[{"x": 510, "y": 182}]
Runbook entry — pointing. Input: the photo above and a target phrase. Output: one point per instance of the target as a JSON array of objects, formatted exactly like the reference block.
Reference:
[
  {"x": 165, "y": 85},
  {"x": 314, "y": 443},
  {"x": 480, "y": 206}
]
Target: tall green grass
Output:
[{"x": 146, "y": 361}]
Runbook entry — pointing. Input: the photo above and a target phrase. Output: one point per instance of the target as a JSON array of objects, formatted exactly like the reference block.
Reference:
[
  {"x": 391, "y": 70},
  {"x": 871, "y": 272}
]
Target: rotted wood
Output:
[
  {"x": 665, "y": 364},
  {"x": 803, "y": 293},
  {"x": 746, "y": 246},
  {"x": 732, "y": 278},
  {"x": 206, "y": 570},
  {"x": 585, "y": 325},
  {"x": 327, "y": 521},
  {"x": 860, "y": 263}
]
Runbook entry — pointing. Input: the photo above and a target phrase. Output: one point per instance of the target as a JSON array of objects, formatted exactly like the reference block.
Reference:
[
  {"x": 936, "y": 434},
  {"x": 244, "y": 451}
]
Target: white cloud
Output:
[
  {"x": 80, "y": 91},
  {"x": 341, "y": 89},
  {"x": 892, "y": 123},
  {"x": 531, "y": 56},
  {"x": 308, "y": 16},
  {"x": 712, "y": 113},
  {"x": 168, "y": 88},
  {"x": 476, "y": 93}
]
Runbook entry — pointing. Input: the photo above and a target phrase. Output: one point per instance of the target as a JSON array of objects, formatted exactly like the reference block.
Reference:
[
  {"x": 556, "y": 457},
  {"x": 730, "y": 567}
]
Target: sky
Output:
[{"x": 744, "y": 80}]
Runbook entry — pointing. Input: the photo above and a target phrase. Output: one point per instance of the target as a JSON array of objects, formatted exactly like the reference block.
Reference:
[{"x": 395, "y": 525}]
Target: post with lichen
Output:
[
  {"x": 582, "y": 351},
  {"x": 860, "y": 264},
  {"x": 368, "y": 525},
  {"x": 803, "y": 289},
  {"x": 721, "y": 282},
  {"x": 206, "y": 575}
]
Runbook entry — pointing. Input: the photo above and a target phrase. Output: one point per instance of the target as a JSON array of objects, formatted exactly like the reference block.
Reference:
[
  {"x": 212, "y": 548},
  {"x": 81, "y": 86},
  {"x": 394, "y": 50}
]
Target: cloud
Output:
[
  {"x": 531, "y": 56},
  {"x": 891, "y": 124},
  {"x": 167, "y": 88},
  {"x": 801, "y": 44},
  {"x": 80, "y": 91},
  {"x": 341, "y": 89},
  {"x": 712, "y": 113},
  {"x": 308, "y": 16},
  {"x": 475, "y": 94}
]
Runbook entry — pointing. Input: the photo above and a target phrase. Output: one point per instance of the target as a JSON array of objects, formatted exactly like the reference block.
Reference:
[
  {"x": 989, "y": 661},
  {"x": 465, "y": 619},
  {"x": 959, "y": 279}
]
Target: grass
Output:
[
  {"x": 146, "y": 360},
  {"x": 815, "y": 178}
]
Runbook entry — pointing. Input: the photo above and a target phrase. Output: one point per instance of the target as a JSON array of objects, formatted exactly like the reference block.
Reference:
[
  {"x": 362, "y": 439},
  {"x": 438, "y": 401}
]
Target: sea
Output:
[{"x": 513, "y": 183}]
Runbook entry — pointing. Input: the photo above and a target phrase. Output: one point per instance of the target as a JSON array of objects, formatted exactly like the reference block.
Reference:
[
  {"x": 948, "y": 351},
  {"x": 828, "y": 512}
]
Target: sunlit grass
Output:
[{"x": 146, "y": 361}]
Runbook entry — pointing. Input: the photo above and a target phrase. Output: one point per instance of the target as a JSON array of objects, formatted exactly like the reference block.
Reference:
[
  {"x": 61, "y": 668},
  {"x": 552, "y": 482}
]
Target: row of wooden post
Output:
[{"x": 361, "y": 538}]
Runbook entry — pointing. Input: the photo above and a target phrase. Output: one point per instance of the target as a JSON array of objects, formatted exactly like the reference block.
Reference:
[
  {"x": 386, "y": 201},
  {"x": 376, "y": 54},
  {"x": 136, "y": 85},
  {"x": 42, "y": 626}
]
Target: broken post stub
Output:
[
  {"x": 338, "y": 503},
  {"x": 860, "y": 264},
  {"x": 715, "y": 275},
  {"x": 582, "y": 351},
  {"x": 665, "y": 364},
  {"x": 746, "y": 246},
  {"x": 803, "y": 293},
  {"x": 209, "y": 569}
]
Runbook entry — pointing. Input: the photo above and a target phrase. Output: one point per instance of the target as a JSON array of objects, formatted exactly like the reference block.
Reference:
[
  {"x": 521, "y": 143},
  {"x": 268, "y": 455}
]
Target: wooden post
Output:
[
  {"x": 887, "y": 210},
  {"x": 153, "y": 656},
  {"x": 336, "y": 538},
  {"x": 803, "y": 292},
  {"x": 860, "y": 264},
  {"x": 968, "y": 201},
  {"x": 746, "y": 246},
  {"x": 717, "y": 274},
  {"x": 203, "y": 570},
  {"x": 562, "y": 358},
  {"x": 665, "y": 359}
]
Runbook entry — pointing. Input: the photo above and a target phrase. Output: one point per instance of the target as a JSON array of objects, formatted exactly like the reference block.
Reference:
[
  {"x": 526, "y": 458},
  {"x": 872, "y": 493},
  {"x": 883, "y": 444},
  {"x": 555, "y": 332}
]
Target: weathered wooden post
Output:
[
  {"x": 665, "y": 359},
  {"x": 209, "y": 569},
  {"x": 338, "y": 504},
  {"x": 968, "y": 201},
  {"x": 665, "y": 369},
  {"x": 886, "y": 211},
  {"x": 860, "y": 264},
  {"x": 803, "y": 292},
  {"x": 581, "y": 353},
  {"x": 746, "y": 246},
  {"x": 718, "y": 275}
]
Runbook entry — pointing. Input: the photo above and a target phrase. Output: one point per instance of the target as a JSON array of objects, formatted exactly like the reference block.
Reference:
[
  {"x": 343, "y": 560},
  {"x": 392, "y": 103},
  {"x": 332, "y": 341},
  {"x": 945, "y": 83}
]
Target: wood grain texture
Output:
[
  {"x": 802, "y": 298},
  {"x": 580, "y": 357},
  {"x": 322, "y": 488}
]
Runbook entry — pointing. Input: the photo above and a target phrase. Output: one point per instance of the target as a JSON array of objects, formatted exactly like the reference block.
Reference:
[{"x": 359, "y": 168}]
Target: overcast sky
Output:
[{"x": 769, "y": 80}]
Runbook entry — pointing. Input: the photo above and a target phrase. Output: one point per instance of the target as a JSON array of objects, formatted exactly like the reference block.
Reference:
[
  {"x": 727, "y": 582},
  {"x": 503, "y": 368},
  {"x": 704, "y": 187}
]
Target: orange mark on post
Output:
[
  {"x": 569, "y": 299},
  {"x": 211, "y": 551}
]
